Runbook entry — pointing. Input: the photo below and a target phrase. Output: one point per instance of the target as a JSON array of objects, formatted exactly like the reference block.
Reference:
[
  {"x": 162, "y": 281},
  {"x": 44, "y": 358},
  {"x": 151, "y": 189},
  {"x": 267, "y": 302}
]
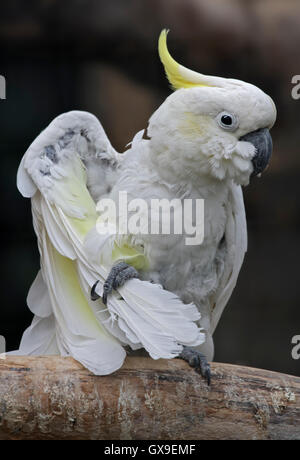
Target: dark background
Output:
[{"x": 101, "y": 56}]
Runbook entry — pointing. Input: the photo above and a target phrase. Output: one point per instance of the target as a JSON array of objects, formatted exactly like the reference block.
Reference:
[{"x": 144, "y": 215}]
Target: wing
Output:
[
  {"x": 53, "y": 174},
  {"x": 67, "y": 168},
  {"x": 236, "y": 247}
]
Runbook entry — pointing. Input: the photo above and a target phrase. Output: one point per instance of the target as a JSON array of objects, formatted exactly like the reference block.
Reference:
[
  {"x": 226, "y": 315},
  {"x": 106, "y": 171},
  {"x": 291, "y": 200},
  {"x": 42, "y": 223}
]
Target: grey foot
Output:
[
  {"x": 198, "y": 361},
  {"x": 119, "y": 274}
]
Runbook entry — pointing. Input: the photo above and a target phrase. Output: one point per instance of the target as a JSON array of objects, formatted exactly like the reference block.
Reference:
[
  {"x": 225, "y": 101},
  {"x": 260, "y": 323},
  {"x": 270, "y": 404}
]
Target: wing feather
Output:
[
  {"x": 236, "y": 247},
  {"x": 58, "y": 172}
]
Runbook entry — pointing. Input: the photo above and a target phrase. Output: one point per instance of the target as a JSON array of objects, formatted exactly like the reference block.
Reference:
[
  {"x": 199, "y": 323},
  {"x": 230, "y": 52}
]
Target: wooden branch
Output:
[{"x": 56, "y": 398}]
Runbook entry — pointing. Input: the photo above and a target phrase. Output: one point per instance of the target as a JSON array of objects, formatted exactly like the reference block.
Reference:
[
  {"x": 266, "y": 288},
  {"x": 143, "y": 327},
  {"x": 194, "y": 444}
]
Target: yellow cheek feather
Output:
[{"x": 193, "y": 126}]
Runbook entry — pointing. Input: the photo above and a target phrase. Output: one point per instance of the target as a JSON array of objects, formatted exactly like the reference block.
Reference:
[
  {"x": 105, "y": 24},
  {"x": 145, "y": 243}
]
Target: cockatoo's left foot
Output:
[
  {"x": 118, "y": 275},
  {"x": 198, "y": 361}
]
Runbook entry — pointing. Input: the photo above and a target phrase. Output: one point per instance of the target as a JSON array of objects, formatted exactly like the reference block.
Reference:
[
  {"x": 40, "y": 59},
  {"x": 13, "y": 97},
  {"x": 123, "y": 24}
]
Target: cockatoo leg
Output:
[
  {"x": 197, "y": 360},
  {"x": 118, "y": 275}
]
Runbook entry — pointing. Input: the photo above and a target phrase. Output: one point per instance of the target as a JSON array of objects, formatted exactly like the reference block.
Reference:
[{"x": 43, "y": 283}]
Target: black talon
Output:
[
  {"x": 107, "y": 289},
  {"x": 205, "y": 370},
  {"x": 198, "y": 361},
  {"x": 94, "y": 295}
]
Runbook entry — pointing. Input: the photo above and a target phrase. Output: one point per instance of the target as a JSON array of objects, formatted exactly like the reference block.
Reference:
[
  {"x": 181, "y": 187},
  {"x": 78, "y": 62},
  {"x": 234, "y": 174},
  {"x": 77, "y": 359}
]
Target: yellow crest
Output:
[{"x": 178, "y": 75}]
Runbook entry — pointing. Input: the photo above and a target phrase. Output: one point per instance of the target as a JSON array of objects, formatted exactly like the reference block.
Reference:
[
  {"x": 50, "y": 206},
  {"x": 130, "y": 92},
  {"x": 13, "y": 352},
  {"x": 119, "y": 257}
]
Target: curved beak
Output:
[{"x": 262, "y": 141}]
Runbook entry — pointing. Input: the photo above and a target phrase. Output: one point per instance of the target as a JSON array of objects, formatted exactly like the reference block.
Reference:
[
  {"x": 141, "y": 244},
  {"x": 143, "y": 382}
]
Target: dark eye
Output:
[{"x": 227, "y": 120}]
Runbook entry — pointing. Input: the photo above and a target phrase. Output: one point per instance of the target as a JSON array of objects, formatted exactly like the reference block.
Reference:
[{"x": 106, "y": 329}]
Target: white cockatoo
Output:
[{"x": 99, "y": 289}]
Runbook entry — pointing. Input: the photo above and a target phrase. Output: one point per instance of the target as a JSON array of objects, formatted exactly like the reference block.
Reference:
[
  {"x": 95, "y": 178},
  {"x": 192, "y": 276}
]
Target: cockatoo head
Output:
[{"x": 211, "y": 126}]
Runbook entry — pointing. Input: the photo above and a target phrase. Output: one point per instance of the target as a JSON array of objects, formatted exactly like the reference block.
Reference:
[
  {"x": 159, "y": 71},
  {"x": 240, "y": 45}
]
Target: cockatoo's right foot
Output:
[
  {"x": 119, "y": 274},
  {"x": 198, "y": 361}
]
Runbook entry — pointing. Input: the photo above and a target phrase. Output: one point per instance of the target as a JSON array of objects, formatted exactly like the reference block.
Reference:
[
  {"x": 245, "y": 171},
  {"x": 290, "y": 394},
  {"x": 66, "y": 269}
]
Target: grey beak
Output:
[{"x": 262, "y": 141}]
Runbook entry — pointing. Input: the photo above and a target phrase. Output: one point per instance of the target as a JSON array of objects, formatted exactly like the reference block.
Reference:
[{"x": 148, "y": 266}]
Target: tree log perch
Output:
[{"x": 56, "y": 398}]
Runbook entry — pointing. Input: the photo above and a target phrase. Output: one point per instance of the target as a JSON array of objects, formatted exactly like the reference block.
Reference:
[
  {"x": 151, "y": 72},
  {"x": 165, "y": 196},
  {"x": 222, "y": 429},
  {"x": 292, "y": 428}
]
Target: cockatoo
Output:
[{"x": 100, "y": 290}]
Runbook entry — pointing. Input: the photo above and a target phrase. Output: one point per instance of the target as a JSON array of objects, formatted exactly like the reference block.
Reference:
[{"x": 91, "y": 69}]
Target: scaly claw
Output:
[
  {"x": 197, "y": 360},
  {"x": 118, "y": 275}
]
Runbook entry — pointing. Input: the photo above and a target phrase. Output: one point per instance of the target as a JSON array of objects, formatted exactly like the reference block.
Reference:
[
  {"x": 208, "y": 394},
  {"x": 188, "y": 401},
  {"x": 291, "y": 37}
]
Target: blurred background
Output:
[{"x": 101, "y": 56}]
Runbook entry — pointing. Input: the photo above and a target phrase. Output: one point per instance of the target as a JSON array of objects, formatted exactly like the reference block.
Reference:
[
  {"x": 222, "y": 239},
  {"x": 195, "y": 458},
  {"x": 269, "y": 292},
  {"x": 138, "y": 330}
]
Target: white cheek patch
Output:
[
  {"x": 241, "y": 164},
  {"x": 245, "y": 150},
  {"x": 229, "y": 151},
  {"x": 234, "y": 161}
]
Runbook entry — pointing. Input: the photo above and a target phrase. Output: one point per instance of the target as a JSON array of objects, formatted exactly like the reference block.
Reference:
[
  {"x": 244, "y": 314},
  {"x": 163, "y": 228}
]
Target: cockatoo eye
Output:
[{"x": 227, "y": 121}]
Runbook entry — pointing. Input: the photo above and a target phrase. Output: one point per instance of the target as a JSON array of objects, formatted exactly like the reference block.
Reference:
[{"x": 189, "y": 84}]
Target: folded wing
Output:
[{"x": 236, "y": 247}]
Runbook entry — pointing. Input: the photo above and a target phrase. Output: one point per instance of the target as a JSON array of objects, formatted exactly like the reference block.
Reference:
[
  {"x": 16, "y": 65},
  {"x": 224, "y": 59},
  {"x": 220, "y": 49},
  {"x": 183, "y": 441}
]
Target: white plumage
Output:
[{"x": 71, "y": 165}]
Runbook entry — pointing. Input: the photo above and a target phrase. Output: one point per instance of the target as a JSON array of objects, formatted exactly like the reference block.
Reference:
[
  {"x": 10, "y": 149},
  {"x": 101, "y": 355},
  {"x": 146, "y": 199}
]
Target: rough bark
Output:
[{"x": 56, "y": 398}]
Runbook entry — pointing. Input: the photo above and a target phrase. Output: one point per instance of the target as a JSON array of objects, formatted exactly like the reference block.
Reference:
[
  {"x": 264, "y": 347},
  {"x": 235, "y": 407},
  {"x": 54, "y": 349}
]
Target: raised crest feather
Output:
[{"x": 180, "y": 76}]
